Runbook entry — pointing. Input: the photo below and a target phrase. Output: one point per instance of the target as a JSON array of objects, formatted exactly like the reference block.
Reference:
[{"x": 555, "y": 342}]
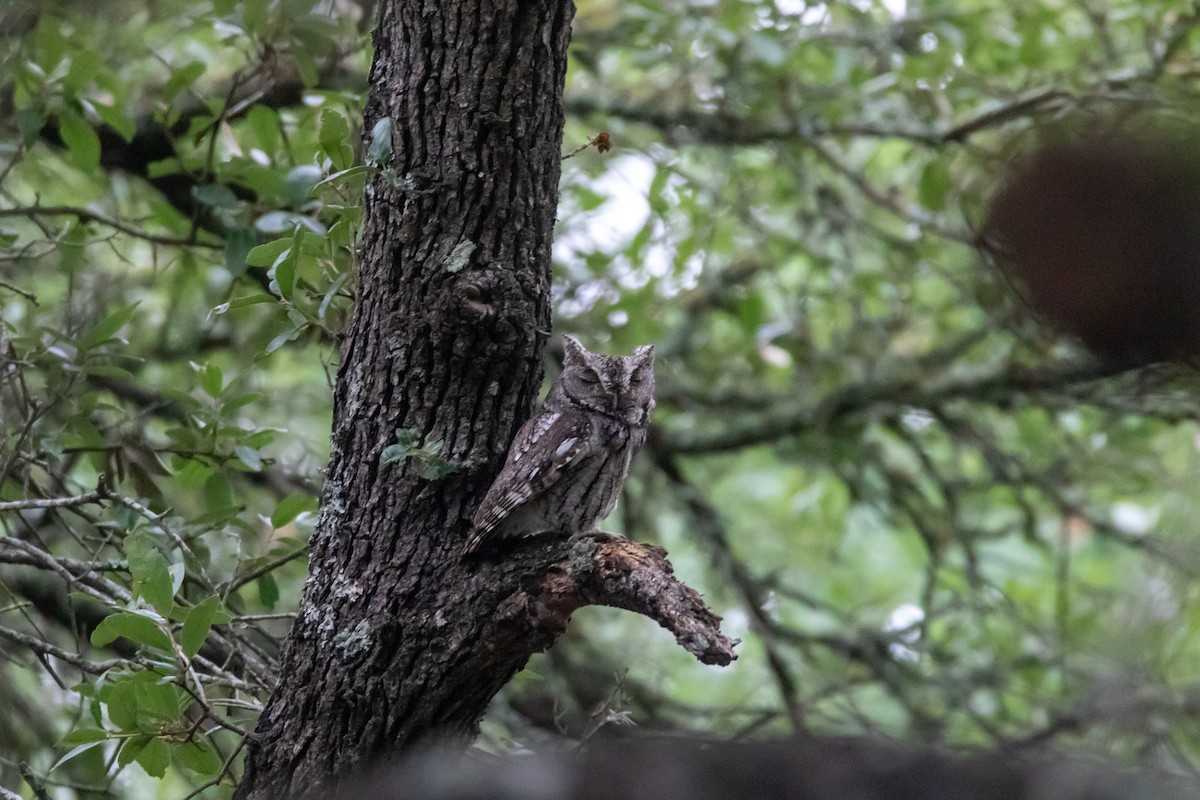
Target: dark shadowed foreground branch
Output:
[{"x": 795, "y": 769}]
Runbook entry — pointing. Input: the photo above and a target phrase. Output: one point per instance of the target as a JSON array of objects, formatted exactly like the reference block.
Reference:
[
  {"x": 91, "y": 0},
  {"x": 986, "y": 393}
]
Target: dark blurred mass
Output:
[
  {"x": 801, "y": 768},
  {"x": 1102, "y": 238}
]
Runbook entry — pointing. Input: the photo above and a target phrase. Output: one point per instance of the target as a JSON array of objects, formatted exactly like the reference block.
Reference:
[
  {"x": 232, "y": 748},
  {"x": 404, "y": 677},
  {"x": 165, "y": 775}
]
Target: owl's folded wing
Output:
[{"x": 544, "y": 449}]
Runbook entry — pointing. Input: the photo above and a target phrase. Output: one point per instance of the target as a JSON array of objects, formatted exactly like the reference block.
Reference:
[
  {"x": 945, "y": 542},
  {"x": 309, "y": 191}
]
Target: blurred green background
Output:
[{"x": 926, "y": 514}]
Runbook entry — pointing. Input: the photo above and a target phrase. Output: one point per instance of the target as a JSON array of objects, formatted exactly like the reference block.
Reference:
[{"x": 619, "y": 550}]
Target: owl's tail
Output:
[{"x": 475, "y": 542}]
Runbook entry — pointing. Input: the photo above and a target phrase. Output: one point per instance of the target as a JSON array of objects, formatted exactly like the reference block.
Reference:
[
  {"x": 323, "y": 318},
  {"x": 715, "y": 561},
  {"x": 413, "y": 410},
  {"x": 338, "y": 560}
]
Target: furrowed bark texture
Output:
[
  {"x": 451, "y": 317},
  {"x": 398, "y": 642}
]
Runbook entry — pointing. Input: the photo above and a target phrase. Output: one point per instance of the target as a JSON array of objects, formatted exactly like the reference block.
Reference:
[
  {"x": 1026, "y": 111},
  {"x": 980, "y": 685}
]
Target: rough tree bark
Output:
[{"x": 397, "y": 642}]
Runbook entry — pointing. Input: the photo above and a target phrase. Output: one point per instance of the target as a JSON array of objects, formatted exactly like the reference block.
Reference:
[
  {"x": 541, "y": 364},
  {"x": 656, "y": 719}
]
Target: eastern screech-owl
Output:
[{"x": 568, "y": 463}]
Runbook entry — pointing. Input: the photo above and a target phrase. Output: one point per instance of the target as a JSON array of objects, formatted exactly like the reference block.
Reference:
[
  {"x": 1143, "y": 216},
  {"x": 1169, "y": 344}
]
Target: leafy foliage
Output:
[
  {"x": 928, "y": 516},
  {"x": 431, "y": 465}
]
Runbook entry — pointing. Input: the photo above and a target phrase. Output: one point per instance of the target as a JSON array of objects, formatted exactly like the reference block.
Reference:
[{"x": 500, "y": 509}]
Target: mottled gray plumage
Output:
[{"x": 567, "y": 464}]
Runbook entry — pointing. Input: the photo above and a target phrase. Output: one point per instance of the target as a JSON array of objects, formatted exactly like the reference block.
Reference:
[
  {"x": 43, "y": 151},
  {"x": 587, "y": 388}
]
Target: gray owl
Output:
[{"x": 568, "y": 463}]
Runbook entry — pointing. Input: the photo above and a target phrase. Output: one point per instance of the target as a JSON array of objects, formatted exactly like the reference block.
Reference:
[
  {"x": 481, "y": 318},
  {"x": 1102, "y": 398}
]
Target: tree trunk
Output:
[{"x": 397, "y": 641}]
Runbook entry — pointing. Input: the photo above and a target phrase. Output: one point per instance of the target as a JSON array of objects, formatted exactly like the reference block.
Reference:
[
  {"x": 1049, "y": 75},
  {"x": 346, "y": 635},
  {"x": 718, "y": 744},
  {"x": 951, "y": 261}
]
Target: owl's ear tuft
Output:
[
  {"x": 643, "y": 357},
  {"x": 573, "y": 351}
]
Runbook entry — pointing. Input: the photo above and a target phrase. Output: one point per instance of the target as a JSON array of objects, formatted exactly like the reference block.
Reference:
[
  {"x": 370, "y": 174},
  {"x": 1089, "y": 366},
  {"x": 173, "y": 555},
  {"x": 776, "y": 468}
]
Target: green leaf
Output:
[
  {"x": 157, "y": 703},
  {"x": 352, "y": 172},
  {"x": 121, "y": 701},
  {"x": 238, "y": 245},
  {"x": 255, "y": 16},
  {"x": 29, "y": 124},
  {"x": 191, "y": 474},
  {"x": 96, "y": 710},
  {"x": 218, "y": 494},
  {"x": 124, "y": 124},
  {"x": 165, "y": 166},
  {"x": 264, "y": 123},
  {"x": 105, "y": 329},
  {"x": 81, "y": 140},
  {"x": 334, "y": 137},
  {"x": 283, "y": 338},
  {"x": 215, "y": 195},
  {"x": 934, "y": 185},
  {"x": 243, "y": 302},
  {"x": 178, "y": 573},
  {"x": 283, "y": 272},
  {"x": 266, "y": 254},
  {"x": 81, "y": 735},
  {"x": 132, "y": 749},
  {"x": 331, "y": 293},
  {"x": 291, "y": 507},
  {"x": 235, "y": 402},
  {"x": 268, "y": 590},
  {"x": 277, "y": 222},
  {"x": 393, "y": 453},
  {"x": 150, "y": 571},
  {"x": 183, "y": 77},
  {"x": 199, "y": 621},
  {"x": 299, "y": 184},
  {"x": 198, "y": 757},
  {"x": 379, "y": 151},
  {"x": 83, "y": 748},
  {"x": 155, "y": 757},
  {"x": 658, "y": 186},
  {"x": 212, "y": 380},
  {"x": 637, "y": 245},
  {"x": 431, "y": 466},
  {"x": 250, "y": 457},
  {"x": 306, "y": 65},
  {"x": 135, "y": 627}
]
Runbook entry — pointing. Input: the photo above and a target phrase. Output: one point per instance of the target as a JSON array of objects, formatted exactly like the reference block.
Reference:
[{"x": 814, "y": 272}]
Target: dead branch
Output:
[{"x": 601, "y": 569}]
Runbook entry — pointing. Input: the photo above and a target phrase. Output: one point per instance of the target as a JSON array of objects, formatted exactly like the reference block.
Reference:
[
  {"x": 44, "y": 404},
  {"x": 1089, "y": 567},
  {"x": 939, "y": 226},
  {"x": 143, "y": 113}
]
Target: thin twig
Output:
[
  {"x": 1023, "y": 107},
  {"x": 269, "y": 566},
  {"x": 27, "y": 295},
  {"x": 84, "y": 215},
  {"x": 45, "y": 648},
  {"x": 602, "y": 141},
  {"x": 84, "y": 581},
  {"x": 265, "y": 617},
  {"x": 39, "y": 791},
  {"x": 55, "y": 502}
]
